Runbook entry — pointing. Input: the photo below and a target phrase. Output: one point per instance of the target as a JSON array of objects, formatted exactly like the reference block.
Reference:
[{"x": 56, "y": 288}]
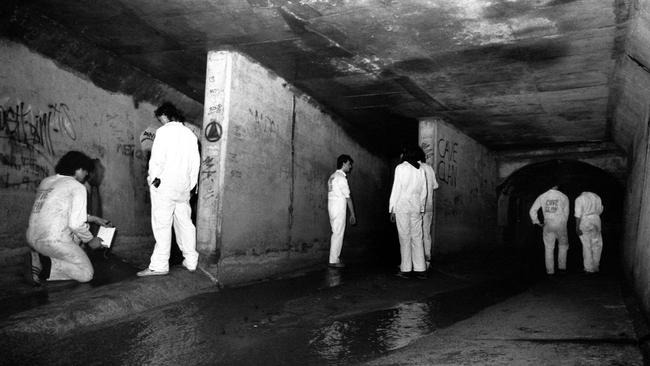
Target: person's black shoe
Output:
[
  {"x": 402, "y": 274},
  {"x": 46, "y": 264},
  {"x": 33, "y": 269},
  {"x": 421, "y": 275},
  {"x": 336, "y": 265}
]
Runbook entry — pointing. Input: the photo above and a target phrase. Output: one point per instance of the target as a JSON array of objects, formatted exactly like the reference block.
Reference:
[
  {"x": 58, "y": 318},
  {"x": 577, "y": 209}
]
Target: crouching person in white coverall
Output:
[
  {"x": 338, "y": 201},
  {"x": 173, "y": 173},
  {"x": 555, "y": 208},
  {"x": 59, "y": 223},
  {"x": 427, "y": 218},
  {"x": 588, "y": 208},
  {"x": 406, "y": 207}
]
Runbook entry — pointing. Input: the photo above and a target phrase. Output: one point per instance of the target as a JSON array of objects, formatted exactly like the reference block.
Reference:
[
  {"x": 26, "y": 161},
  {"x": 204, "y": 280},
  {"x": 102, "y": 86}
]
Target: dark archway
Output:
[{"x": 519, "y": 191}]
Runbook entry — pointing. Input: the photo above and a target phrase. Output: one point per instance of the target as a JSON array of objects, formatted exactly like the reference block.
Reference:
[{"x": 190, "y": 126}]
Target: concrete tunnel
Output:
[
  {"x": 521, "y": 188},
  {"x": 267, "y": 149}
]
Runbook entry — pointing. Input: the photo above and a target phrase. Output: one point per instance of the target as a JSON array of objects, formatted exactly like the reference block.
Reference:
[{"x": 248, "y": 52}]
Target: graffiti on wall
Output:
[
  {"x": 447, "y": 167},
  {"x": 27, "y": 141}
]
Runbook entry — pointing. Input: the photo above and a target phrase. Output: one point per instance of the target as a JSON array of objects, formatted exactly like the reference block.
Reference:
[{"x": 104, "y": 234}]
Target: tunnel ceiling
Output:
[{"x": 509, "y": 73}]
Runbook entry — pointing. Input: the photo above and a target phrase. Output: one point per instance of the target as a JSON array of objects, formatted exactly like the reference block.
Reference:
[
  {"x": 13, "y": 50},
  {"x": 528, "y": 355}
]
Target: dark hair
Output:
[
  {"x": 421, "y": 155},
  {"x": 342, "y": 159},
  {"x": 411, "y": 155},
  {"x": 72, "y": 161},
  {"x": 170, "y": 111}
]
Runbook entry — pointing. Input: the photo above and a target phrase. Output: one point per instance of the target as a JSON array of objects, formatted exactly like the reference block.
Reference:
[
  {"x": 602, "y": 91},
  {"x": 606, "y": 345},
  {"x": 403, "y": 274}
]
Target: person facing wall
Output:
[
  {"x": 406, "y": 207},
  {"x": 173, "y": 174},
  {"x": 338, "y": 202},
  {"x": 427, "y": 218}
]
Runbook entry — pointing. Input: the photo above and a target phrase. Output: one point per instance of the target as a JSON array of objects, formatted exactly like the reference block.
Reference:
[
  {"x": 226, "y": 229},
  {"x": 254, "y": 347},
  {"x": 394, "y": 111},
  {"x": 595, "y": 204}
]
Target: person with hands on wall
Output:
[
  {"x": 173, "y": 174},
  {"x": 58, "y": 224},
  {"x": 406, "y": 207}
]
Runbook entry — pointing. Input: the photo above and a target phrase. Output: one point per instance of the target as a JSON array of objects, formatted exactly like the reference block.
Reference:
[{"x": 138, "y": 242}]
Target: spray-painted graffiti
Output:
[
  {"x": 33, "y": 130},
  {"x": 27, "y": 141},
  {"x": 447, "y": 171},
  {"x": 130, "y": 151}
]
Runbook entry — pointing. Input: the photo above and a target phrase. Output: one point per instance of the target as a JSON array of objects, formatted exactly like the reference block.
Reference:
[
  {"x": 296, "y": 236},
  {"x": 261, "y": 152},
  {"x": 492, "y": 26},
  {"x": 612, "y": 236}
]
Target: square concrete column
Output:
[{"x": 214, "y": 143}]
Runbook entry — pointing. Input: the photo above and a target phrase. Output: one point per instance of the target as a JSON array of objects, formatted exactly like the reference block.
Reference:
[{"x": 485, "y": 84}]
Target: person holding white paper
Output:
[{"x": 59, "y": 223}]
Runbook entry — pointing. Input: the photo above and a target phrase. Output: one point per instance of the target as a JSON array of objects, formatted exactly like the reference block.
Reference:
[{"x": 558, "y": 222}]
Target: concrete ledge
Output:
[{"x": 88, "y": 306}]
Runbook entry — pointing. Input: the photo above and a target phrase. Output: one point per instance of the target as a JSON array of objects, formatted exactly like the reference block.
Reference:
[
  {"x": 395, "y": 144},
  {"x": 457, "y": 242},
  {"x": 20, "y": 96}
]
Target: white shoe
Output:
[
  {"x": 191, "y": 269},
  {"x": 150, "y": 272}
]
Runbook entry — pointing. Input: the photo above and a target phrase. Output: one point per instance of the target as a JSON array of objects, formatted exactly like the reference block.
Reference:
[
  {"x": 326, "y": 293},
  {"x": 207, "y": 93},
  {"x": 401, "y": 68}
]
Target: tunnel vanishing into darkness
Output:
[{"x": 521, "y": 188}]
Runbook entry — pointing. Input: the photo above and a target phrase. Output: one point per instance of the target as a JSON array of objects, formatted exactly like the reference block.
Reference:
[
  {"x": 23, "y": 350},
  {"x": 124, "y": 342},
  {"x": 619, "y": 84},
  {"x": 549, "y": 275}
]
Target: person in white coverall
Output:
[
  {"x": 173, "y": 173},
  {"x": 588, "y": 208},
  {"x": 406, "y": 207},
  {"x": 59, "y": 223},
  {"x": 555, "y": 208},
  {"x": 338, "y": 201},
  {"x": 427, "y": 218}
]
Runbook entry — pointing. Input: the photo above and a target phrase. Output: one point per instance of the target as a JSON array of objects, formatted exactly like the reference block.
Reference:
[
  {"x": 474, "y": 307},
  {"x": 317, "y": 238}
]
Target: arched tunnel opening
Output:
[{"x": 518, "y": 192}]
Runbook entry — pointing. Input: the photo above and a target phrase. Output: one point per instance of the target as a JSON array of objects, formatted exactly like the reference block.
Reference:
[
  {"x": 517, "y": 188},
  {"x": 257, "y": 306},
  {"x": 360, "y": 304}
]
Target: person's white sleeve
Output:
[
  {"x": 578, "y": 208},
  {"x": 533, "y": 211},
  {"x": 396, "y": 190},
  {"x": 157, "y": 160},
  {"x": 566, "y": 207},
  {"x": 423, "y": 191},
  {"x": 342, "y": 184},
  {"x": 195, "y": 166},
  {"x": 435, "y": 182},
  {"x": 77, "y": 221}
]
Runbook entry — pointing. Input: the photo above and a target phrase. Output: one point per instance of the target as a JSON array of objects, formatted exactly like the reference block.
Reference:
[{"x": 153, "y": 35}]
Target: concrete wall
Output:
[
  {"x": 630, "y": 130},
  {"x": 280, "y": 148},
  {"x": 466, "y": 202},
  {"x": 46, "y": 111}
]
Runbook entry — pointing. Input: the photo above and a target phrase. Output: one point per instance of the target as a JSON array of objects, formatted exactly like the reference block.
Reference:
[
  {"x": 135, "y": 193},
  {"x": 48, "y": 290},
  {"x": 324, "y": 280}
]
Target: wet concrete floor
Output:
[{"x": 326, "y": 317}]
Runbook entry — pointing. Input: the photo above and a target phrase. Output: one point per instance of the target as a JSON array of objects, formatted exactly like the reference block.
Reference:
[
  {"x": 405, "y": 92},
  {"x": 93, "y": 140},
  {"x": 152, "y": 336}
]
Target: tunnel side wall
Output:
[
  {"x": 466, "y": 201},
  {"x": 47, "y": 110},
  {"x": 630, "y": 130},
  {"x": 282, "y": 148}
]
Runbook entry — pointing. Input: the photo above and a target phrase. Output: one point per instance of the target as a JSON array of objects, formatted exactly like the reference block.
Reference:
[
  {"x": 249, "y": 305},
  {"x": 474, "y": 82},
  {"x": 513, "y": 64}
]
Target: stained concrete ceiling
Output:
[{"x": 509, "y": 73}]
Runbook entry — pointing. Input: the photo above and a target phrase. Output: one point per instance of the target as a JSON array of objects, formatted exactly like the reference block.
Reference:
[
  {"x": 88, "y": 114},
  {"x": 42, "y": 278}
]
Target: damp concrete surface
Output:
[{"x": 463, "y": 314}]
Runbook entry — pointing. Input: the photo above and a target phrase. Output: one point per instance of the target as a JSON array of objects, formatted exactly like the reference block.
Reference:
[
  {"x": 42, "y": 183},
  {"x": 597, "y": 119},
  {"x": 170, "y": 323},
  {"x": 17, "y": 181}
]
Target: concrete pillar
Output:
[{"x": 214, "y": 142}]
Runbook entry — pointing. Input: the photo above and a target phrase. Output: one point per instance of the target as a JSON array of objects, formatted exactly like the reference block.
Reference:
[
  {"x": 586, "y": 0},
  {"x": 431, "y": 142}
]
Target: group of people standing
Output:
[
  {"x": 59, "y": 221},
  {"x": 410, "y": 207},
  {"x": 555, "y": 210}
]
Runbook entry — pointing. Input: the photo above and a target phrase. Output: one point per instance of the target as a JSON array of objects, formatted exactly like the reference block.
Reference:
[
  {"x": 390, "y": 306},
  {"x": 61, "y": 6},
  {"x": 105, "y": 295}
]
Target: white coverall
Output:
[
  {"x": 175, "y": 161},
  {"x": 407, "y": 201},
  {"x": 555, "y": 208},
  {"x": 338, "y": 192},
  {"x": 588, "y": 208},
  {"x": 58, "y": 224},
  {"x": 427, "y": 219}
]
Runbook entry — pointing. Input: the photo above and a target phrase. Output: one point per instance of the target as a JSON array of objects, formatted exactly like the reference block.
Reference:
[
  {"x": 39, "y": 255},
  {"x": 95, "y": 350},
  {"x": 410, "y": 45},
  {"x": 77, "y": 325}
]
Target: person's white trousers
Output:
[
  {"x": 427, "y": 219},
  {"x": 69, "y": 261},
  {"x": 550, "y": 235},
  {"x": 592, "y": 242},
  {"x": 336, "y": 209},
  {"x": 166, "y": 211},
  {"x": 409, "y": 230}
]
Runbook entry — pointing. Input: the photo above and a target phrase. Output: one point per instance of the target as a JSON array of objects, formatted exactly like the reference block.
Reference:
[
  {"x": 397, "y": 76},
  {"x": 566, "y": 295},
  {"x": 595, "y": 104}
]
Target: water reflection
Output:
[{"x": 384, "y": 331}]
